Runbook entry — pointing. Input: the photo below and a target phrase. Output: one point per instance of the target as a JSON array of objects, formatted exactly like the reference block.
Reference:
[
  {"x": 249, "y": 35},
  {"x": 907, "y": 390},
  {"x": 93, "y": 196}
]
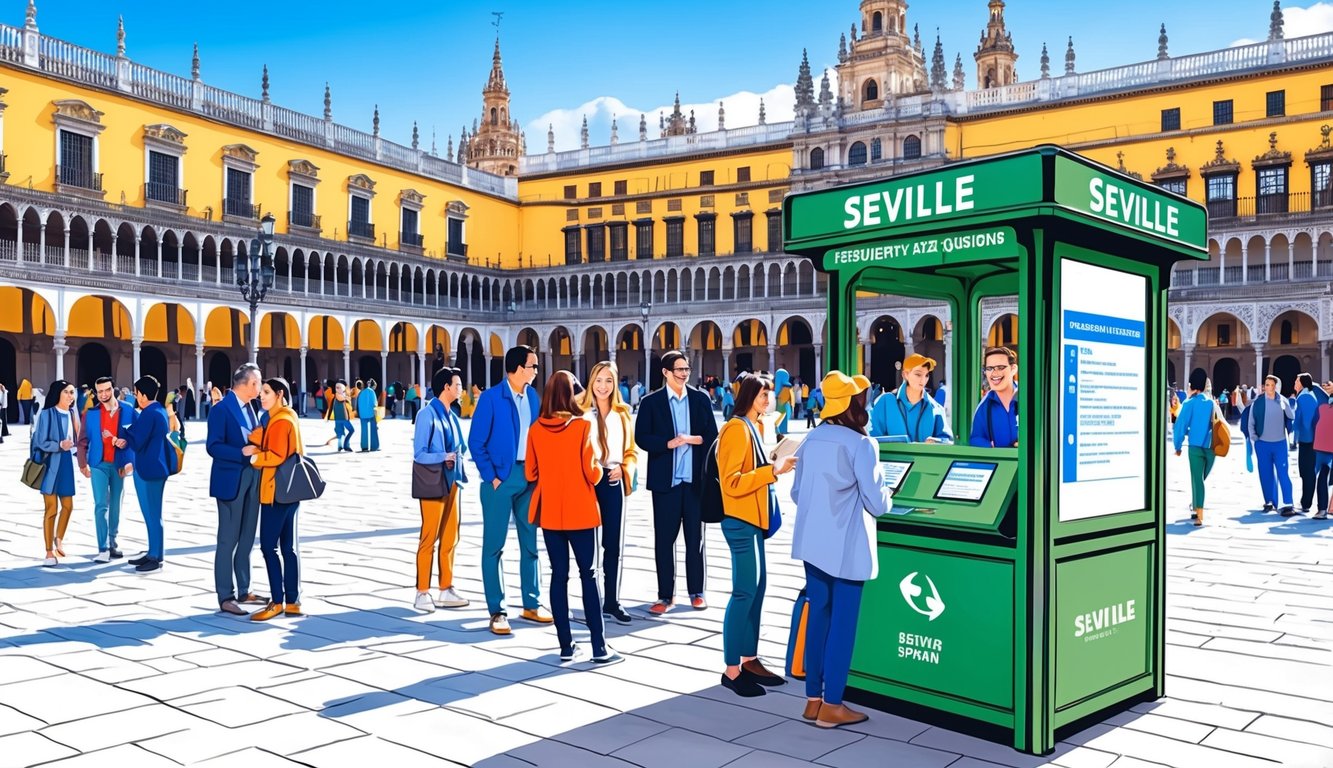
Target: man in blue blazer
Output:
[
  {"x": 106, "y": 459},
  {"x": 498, "y": 442},
  {"x": 147, "y": 437},
  {"x": 676, "y": 427},
  {"x": 235, "y": 485}
]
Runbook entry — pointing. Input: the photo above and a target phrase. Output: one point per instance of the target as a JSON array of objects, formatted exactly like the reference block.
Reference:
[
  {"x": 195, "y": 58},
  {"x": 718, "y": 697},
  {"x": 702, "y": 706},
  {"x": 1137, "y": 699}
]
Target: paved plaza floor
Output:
[{"x": 99, "y": 665}]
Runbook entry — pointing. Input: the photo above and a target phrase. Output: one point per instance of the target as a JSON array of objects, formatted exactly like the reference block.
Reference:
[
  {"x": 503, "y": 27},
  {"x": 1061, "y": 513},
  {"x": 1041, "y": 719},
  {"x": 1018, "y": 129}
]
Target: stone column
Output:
[
  {"x": 199, "y": 369},
  {"x": 303, "y": 382},
  {"x": 1268, "y": 266},
  {"x": 772, "y": 359},
  {"x": 1325, "y": 349},
  {"x": 548, "y": 360},
  {"x": 1258, "y": 365},
  {"x": 422, "y": 373},
  {"x": 726, "y": 364},
  {"x": 60, "y": 349},
  {"x": 819, "y": 365},
  {"x": 384, "y": 376},
  {"x": 347, "y": 364},
  {"x": 486, "y": 374},
  {"x": 136, "y": 343},
  {"x": 866, "y": 350}
]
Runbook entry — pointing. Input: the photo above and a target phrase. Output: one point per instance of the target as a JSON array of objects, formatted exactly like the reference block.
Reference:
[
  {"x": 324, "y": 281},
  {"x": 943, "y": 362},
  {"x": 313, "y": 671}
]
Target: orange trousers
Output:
[
  {"x": 51, "y": 529},
  {"x": 439, "y": 524}
]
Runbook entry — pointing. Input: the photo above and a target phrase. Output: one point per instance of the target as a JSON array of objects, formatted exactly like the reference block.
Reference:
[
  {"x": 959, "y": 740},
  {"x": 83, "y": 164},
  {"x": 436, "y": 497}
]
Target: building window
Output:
[
  {"x": 1321, "y": 178},
  {"x": 1224, "y": 334},
  {"x": 1176, "y": 186},
  {"x": 456, "y": 245},
  {"x": 409, "y": 234},
  {"x": 857, "y": 154},
  {"x": 876, "y": 150},
  {"x": 622, "y": 187},
  {"x": 571, "y": 192},
  {"x": 816, "y": 159},
  {"x": 707, "y": 235},
  {"x": 877, "y": 23},
  {"x": 358, "y": 225},
  {"x": 775, "y": 231},
  {"x": 594, "y": 189},
  {"x": 238, "y": 195},
  {"x": 1171, "y": 119},
  {"x": 911, "y": 148},
  {"x": 643, "y": 239},
  {"x": 573, "y": 245},
  {"x": 1222, "y": 112},
  {"x": 1286, "y": 335},
  {"x": 76, "y": 161},
  {"x": 870, "y": 91},
  {"x": 303, "y": 206},
  {"x": 742, "y": 174},
  {"x": 163, "y": 178},
  {"x": 1325, "y": 98},
  {"x": 619, "y": 241},
  {"x": 675, "y": 237},
  {"x": 705, "y": 178},
  {"x": 597, "y": 242},
  {"x": 1275, "y": 104},
  {"x": 1222, "y": 195},
  {"x": 743, "y": 232},
  {"x": 1271, "y": 190}
]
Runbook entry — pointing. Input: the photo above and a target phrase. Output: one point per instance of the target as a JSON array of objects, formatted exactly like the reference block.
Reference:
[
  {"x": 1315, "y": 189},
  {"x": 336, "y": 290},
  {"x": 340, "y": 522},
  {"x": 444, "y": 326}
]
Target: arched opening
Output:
[
  {"x": 1286, "y": 368},
  {"x": 816, "y": 158},
  {"x": 870, "y": 91},
  {"x": 153, "y": 362},
  {"x": 911, "y": 148},
  {"x": 1226, "y": 375},
  {"x": 220, "y": 369},
  {"x": 9, "y": 377},
  {"x": 94, "y": 361},
  {"x": 877, "y": 23},
  {"x": 856, "y": 155},
  {"x": 886, "y": 351}
]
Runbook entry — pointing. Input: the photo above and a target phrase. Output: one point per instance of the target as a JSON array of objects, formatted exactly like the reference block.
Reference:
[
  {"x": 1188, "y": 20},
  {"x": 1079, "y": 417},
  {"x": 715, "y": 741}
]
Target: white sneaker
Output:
[
  {"x": 449, "y": 598},
  {"x": 102, "y": 557},
  {"x": 49, "y": 562},
  {"x": 423, "y": 603}
]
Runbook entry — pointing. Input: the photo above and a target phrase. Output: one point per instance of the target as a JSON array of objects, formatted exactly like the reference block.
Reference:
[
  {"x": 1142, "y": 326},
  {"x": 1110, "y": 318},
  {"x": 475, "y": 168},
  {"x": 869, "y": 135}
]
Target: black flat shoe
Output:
[
  {"x": 742, "y": 686},
  {"x": 137, "y": 561}
]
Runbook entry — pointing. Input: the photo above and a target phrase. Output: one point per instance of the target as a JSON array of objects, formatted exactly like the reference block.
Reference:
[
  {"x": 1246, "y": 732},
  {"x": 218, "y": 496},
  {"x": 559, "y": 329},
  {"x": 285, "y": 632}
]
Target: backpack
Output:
[
  {"x": 710, "y": 489},
  {"x": 176, "y": 445}
]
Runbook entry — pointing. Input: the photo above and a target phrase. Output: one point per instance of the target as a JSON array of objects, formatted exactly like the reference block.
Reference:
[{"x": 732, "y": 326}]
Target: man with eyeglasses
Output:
[
  {"x": 498, "y": 442},
  {"x": 995, "y": 423},
  {"x": 676, "y": 426},
  {"x": 106, "y": 459}
]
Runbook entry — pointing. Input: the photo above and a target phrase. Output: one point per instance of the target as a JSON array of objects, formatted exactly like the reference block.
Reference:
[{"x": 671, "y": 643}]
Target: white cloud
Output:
[
  {"x": 742, "y": 110},
  {"x": 1300, "y": 22}
]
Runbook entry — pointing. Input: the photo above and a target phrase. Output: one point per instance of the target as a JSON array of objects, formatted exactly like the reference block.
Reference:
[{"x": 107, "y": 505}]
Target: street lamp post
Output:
[
  {"x": 254, "y": 276},
  {"x": 644, "y": 309}
]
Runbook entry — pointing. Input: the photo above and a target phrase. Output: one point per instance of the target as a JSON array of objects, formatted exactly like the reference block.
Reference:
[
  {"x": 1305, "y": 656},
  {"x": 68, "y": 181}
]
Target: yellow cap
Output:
[
  {"x": 916, "y": 360},
  {"x": 839, "y": 388}
]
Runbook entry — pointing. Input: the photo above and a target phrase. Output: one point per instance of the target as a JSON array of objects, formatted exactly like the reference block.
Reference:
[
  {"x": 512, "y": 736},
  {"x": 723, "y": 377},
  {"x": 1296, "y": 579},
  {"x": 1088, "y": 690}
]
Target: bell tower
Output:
[
  {"x": 497, "y": 143},
  {"x": 995, "y": 54},
  {"x": 883, "y": 59}
]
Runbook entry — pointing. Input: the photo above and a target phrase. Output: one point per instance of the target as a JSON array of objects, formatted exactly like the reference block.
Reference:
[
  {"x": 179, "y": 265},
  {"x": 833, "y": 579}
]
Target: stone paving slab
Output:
[{"x": 101, "y": 666}]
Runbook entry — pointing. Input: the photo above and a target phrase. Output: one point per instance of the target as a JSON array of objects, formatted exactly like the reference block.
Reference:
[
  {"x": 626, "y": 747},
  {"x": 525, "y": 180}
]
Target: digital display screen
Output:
[
  {"x": 894, "y": 473},
  {"x": 966, "y": 481}
]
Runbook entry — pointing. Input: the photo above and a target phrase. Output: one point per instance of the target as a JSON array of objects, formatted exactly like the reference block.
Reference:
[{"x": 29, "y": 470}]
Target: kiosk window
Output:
[
  {"x": 894, "y": 473},
  {"x": 966, "y": 481}
]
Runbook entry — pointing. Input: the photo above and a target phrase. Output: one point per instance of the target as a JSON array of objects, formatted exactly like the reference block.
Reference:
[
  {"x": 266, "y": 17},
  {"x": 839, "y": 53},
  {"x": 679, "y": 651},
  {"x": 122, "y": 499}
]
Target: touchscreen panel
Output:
[
  {"x": 966, "y": 481},
  {"x": 894, "y": 473}
]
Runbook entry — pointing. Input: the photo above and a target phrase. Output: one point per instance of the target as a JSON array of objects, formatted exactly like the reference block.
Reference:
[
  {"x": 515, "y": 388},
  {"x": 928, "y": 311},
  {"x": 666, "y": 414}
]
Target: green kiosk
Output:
[{"x": 1020, "y": 590}]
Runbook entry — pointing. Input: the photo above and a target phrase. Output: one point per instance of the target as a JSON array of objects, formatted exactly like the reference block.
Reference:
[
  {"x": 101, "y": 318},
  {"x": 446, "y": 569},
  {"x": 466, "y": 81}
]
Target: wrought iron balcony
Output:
[
  {"x": 413, "y": 239},
  {"x": 303, "y": 219},
  {"x": 79, "y": 177},
  {"x": 456, "y": 250},
  {"x": 361, "y": 229},
  {"x": 241, "y": 208},
  {"x": 164, "y": 193}
]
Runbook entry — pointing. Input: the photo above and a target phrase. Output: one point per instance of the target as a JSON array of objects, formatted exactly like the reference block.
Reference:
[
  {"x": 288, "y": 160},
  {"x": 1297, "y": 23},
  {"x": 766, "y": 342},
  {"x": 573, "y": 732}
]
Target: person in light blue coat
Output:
[
  {"x": 1195, "y": 421},
  {"x": 909, "y": 412},
  {"x": 366, "y": 402},
  {"x": 839, "y": 491}
]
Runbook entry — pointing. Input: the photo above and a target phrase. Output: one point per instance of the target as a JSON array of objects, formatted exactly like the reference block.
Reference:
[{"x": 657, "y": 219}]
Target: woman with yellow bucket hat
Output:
[{"x": 839, "y": 492}]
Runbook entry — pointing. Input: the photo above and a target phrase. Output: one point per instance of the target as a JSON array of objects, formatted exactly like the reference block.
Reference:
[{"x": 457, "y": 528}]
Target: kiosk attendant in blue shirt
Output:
[
  {"x": 995, "y": 423},
  {"x": 909, "y": 412}
]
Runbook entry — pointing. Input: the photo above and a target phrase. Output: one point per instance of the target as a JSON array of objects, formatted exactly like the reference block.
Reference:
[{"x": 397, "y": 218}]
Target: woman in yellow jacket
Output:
[
  {"x": 613, "y": 448},
  {"x": 278, "y": 437},
  {"x": 749, "y": 503}
]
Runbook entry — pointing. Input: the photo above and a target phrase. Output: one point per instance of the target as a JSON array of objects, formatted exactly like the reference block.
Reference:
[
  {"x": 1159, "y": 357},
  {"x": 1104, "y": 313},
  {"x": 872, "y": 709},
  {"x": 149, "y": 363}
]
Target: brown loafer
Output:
[
  {"x": 811, "y": 712},
  {"x": 834, "y": 715},
  {"x": 269, "y": 611},
  {"x": 537, "y": 615},
  {"x": 761, "y": 674},
  {"x": 250, "y": 598}
]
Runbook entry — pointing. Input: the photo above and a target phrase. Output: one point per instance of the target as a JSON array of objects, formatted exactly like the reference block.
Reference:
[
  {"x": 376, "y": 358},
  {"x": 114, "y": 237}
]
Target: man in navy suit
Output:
[
  {"x": 235, "y": 485},
  {"x": 676, "y": 427}
]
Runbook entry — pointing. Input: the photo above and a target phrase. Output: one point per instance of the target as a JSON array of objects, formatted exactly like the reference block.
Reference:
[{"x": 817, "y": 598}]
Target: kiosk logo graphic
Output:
[{"x": 934, "y": 605}]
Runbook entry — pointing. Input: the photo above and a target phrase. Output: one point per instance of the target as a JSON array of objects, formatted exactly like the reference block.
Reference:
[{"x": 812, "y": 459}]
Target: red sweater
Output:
[
  {"x": 560, "y": 460},
  {"x": 1323, "y": 429}
]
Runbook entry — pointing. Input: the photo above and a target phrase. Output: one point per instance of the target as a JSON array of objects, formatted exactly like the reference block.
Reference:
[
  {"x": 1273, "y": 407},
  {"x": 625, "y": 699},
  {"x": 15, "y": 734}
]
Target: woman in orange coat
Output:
[
  {"x": 278, "y": 438},
  {"x": 561, "y": 461}
]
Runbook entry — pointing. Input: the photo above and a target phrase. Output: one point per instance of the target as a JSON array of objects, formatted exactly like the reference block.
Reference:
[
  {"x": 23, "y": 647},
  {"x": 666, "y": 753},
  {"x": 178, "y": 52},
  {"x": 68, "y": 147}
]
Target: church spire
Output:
[
  {"x": 495, "y": 144},
  {"x": 938, "y": 72},
  {"x": 805, "y": 84},
  {"x": 995, "y": 54}
]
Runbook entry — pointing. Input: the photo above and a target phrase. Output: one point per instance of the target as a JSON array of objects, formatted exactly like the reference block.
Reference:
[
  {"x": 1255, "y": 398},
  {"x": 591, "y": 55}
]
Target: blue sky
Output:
[{"x": 427, "y": 61}]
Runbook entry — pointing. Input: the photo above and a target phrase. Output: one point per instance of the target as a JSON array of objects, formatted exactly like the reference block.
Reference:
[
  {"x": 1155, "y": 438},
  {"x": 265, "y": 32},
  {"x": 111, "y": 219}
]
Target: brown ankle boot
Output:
[
  {"x": 812, "y": 709},
  {"x": 834, "y": 715},
  {"x": 1198, "y": 517}
]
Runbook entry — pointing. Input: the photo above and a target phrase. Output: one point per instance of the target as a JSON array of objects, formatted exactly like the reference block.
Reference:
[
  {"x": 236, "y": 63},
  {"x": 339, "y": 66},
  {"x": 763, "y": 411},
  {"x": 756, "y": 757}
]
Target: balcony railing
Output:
[
  {"x": 83, "y": 178},
  {"x": 1271, "y": 205},
  {"x": 164, "y": 193},
  {"x": 240, "y": 208},
  {"x": 361, "y": 229},
  {"x": 303, "y": 219},
  {"x": 410, "y": 238},
  {"x": 457, "y": 250},
  {"x": 2, "y": 163}
]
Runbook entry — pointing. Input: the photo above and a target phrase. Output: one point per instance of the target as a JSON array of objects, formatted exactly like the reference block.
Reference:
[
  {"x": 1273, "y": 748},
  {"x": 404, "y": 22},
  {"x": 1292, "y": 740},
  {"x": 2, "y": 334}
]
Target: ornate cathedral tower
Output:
[
  {"x": 882, "y": 60},
  {"x": 995, "y": 55},
  {"x": 497, "y": 143}
]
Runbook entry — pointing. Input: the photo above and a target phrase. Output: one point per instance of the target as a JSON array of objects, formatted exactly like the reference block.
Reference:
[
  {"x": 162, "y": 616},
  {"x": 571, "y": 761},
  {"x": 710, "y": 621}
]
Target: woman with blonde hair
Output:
[{"x": 613, "y": 448}]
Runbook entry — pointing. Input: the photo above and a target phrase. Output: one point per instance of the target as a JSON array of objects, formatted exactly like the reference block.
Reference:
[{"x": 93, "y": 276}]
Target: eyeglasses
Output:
[
  {"x": 686, "y": 369},
  {"x": 994, "y": 368},
  {"x": 533, "y": 366}
]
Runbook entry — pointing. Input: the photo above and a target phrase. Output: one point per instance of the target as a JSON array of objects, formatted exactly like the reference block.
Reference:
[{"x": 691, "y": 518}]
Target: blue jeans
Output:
[
  {"x": 584, "y": 544},
  {"x": 277, "y": 527},
  {"x": 498, "y": 505},
  {"x": 108, "y": 488},
  {"x": 150, "y": 503},
  {"x": 830, "y": 633},
  {"x": 1273, "y": 475},
  {"x": 342, "y": 430},
  {"x": 749, "y": 580},
  {"x": 370, "y": 435}
]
